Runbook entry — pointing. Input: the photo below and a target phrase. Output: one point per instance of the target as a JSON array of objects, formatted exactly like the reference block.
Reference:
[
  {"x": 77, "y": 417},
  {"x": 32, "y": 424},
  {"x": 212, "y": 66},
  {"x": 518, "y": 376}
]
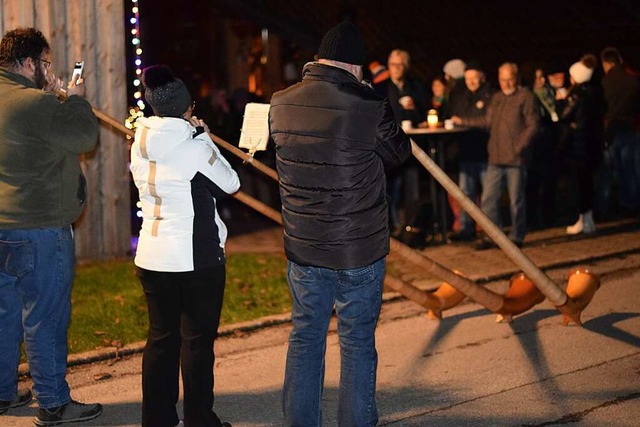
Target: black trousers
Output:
[
  {"x": 184, "y": 314},
  {"x": 582, "y": 172}
]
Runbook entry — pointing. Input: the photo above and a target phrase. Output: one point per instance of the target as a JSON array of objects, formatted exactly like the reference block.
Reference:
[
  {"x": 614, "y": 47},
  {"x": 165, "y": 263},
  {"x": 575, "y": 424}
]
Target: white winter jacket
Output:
[{"x": 179, "y": 178}]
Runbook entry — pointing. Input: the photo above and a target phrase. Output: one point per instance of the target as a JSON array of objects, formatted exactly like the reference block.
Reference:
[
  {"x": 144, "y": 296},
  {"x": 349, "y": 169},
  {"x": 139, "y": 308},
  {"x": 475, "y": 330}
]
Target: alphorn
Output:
[
  {"x": 244, "y": 198},
  {"x": 571, "y": 308}
]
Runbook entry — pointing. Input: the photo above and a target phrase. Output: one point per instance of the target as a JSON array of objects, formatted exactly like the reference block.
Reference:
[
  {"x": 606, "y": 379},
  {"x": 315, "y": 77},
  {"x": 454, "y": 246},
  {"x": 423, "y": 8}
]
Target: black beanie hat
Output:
[
  {"x": 167, "y": 95},
  {"x": 555, "y": 67},
  {"x": 473, "y": 65},
  {"x": 343, "y": 43}
]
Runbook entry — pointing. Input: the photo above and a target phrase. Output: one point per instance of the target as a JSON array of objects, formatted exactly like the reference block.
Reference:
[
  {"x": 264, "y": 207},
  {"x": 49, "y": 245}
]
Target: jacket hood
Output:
[
  {"x": 163, "y": 134},
  {"x": 317, "y": 71},
  {"x": 17, "y": 78}
]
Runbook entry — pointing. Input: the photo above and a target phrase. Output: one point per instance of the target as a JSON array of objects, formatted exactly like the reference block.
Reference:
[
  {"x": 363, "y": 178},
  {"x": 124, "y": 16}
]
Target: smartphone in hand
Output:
[{"x": 77, "y": 70}]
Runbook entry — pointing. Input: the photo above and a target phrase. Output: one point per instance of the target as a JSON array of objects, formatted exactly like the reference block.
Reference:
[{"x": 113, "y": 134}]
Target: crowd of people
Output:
[
  {"x": 339, "y": 147},
  {"x": 547, "y": 126}
]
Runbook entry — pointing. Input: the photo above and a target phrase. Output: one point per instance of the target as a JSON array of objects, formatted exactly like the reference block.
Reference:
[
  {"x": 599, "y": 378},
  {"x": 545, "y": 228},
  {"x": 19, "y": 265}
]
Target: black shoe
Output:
[
  {"x": 483, "y": 245},
  {"x": 70, "y": 413},
  {"x": 413, "y": 237},
  {"x": 22, "y": 398},
  {"x": 462, "y": 236}
]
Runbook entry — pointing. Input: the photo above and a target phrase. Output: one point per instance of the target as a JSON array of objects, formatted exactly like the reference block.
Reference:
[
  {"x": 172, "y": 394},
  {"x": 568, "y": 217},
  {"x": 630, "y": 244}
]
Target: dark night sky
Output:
[{"x": 176, "y": 33}]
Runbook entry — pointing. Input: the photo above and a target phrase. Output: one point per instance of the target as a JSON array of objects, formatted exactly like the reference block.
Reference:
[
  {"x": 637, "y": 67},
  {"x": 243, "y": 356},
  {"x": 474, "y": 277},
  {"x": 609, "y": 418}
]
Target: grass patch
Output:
[{"x": 109, "y": 308}]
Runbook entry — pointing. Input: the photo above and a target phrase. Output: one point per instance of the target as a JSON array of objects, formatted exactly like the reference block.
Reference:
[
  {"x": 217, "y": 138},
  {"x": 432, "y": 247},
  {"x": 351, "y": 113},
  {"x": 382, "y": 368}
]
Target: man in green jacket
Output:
[{"x": 42, "y": 192}]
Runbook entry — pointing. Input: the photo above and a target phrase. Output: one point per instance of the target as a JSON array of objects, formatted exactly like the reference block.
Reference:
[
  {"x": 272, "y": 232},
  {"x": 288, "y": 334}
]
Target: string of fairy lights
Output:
[{"x": 138, "y": 109}]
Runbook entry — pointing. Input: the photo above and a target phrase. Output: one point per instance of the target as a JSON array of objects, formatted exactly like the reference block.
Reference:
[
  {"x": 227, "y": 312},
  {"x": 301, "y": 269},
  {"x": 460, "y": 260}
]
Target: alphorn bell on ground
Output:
[
  {"x": 582, "y": 285},
  {"x": 520, "y": 297},
  {"x": 519, "y": 300},
  {"x": 445, "y": 297}
]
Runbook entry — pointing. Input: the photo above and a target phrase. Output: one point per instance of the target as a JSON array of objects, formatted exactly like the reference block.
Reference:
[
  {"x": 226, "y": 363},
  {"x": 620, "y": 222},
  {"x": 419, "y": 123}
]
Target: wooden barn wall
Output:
[{"x": 93, "y": 31}]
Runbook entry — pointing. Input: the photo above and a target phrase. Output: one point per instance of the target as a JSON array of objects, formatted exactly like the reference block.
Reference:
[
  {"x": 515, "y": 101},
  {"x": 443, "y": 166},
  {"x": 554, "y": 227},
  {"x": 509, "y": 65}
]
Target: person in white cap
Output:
[
  {"x": 454, "y": 73},
  {"x": 582, "y": 148}
]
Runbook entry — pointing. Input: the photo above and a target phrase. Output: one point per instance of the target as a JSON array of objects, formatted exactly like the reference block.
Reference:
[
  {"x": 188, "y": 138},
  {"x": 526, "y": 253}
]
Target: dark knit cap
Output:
[
  {"x": 167, "y": 95},
  {"x": 343, "y": 43},
  {"x": 473, "y": 65},
  {"x": 555, "y": 67}
]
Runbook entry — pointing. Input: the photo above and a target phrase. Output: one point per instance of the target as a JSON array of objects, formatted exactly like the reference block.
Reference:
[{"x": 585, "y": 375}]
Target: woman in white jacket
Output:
[{"x": 180, "y": 175}]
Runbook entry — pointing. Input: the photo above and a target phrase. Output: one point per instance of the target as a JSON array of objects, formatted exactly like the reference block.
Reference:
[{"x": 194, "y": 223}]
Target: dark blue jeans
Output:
[
  {"x": 621, "y": 164},
  {"x": 470, "y": 177},
  {"x": 514, "y": 178},
  {"x": 36, "y": 273},
  {"x": 626, "y": 159},
  {"x": 357, "y": 296}
]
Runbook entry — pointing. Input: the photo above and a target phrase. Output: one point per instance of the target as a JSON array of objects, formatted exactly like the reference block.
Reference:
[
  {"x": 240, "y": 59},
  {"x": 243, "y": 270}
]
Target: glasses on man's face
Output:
[{"x": 47, "y": 64}]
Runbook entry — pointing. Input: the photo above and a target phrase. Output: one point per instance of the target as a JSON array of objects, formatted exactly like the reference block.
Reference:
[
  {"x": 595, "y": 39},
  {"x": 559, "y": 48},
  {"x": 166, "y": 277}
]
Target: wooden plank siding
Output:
[{"x": 93, "y": 31}]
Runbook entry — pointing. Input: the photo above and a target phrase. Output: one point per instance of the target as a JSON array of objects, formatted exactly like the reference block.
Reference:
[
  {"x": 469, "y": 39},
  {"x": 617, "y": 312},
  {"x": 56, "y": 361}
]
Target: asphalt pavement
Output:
[{"x": 466, "y": 370}]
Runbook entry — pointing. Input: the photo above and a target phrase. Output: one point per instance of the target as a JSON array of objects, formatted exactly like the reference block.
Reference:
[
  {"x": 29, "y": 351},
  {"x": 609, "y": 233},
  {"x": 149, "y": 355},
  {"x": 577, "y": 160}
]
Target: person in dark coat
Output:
[
  {"x": 622, "y": 97},
  {"x": 542, "y": 179},
  {"x": 472, "y": 101},
  {"x": 334, "y": 137},
  {"x": 512, "y": 122},
  {"x": 407, "y": 95},
  {"x": 409, "y": 101},
  {"x": 582, "y": 147}
]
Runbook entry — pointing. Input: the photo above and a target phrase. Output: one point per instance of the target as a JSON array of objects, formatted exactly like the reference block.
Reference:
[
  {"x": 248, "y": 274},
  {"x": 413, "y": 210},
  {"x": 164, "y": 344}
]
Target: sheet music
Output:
[{"x": 254, "y": 134}]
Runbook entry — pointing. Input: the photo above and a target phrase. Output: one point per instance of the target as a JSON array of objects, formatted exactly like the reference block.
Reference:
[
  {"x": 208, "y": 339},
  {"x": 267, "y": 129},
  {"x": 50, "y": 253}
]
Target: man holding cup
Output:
[
  {"x": 408, "y": 98},
  {"x": 471, "y": 100}
]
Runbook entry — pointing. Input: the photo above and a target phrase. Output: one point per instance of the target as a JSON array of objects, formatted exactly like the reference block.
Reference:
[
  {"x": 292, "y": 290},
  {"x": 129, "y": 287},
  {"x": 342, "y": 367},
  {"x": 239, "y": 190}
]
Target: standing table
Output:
[{"x": 433, "y": 141}]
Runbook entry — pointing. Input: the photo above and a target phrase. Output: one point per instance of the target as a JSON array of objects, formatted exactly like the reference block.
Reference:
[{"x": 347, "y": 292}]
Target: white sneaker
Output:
[
  {"x": 589, "y": 226},
  {"x": 577, "y": 227}
]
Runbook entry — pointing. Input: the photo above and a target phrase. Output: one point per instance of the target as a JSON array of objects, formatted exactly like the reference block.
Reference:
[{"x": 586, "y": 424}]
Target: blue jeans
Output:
[
  {"x": 604, "y": 183},
  {"x": 36, "y": 272},
  {"x": 515, "y": 178},
  {"x": 626, "y": 154},
  {"x": 621, "y": 164},
  {"x": 470, "y": 177},
  {"x": 357, "y": 295}
]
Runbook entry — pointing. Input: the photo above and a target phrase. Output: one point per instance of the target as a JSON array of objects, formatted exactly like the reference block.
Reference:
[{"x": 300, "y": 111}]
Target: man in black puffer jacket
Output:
[{"x": 334, "y": 137}]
